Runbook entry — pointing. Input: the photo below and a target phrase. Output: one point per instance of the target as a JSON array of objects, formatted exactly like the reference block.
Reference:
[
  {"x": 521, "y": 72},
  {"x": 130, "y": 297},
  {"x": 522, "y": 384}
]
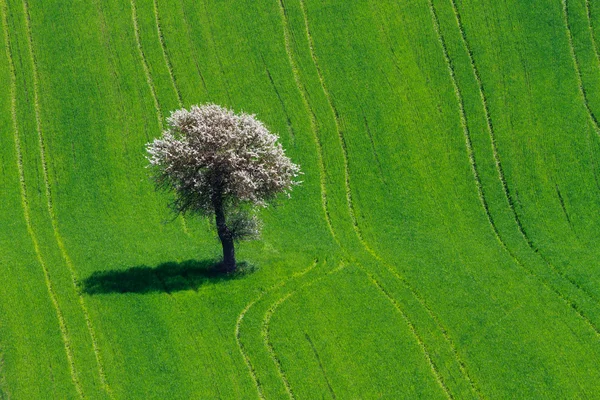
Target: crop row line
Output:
[
  {"x": 463, "y": 123},
  {"x": 480, "y": 189},
  {"x": 242, "y": 348},
  {"x": 588, "y": 12},
  {"x": 313, "y": 118},
  {"x": 489, "y": 124},
  {"x": 146, "y": 68},
  {"x": 267, "y": 340},
  {"x": 350, "y": 203},
  {"x": 26, "y": 211},
  {"x": 267, "y": 320},
  {"x": 161, "y": 39},
  {"x": 497, "y": 161},
  {"x": 336, "y": 115},
  {"x": 314, "y": 349},
  {"x": 189, "y": 36},
  {"x": 50, "y": 206},
  {"x": 288, "y": 120},
  {"x": 576, "y": 65},
  {"x": 431, "y": 363},
  {"x": 240, "y": 318},
  {"x": 591, "y": 30},
  {"x": 372, "y": 143},
  {"x": 136, "y": 30}
]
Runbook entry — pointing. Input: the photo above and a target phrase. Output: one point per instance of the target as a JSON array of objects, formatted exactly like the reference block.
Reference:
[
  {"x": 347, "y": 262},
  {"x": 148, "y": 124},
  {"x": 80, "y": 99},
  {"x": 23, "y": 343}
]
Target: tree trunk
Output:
[{"x": 229, "y": 264}]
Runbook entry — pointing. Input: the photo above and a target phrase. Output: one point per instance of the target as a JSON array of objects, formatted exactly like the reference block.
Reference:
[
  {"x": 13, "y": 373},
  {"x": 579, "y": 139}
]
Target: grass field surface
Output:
[{"x": 443, "y": 243}]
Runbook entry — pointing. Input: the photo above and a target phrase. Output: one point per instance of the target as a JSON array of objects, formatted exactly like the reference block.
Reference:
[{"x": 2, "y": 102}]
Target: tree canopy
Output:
[{"x": 223, "y": 164}]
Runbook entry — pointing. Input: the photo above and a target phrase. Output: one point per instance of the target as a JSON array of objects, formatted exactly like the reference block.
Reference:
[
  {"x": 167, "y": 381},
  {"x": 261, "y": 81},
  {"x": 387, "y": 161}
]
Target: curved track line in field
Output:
[
  {"x": 372, "y": 142},
  {"x": 172, "y": 77},
  {"x": 470, "y": 153},
  {"x": 336, "y": 115},
  {"x": 357, "y": 229},
  {"x": 497, "y": 161},
  {"x": 189, "y": 35},
  {"x": 576, "y": 65},
  {"x": 482, "y": 199},
  {"x": 240, "y": 318},
  {"x": 269, "y": 314},
  {"x": 267, "y": 340},
  {"x": 243, "y": 351},
  {"x": 313, "y": 117},
  {"x": 314, "y": 349},
  {"x": 265, "y": 331},
  {"x": 50, "y": 207},
  {"x": 26, "y": 211},
  {"x": 464, "y": 125},
  {"x": 161, "y": 39},
  {"x": 420, "y": 342},
  {"x": 288, "y": 120},
  {"x": 588, "y": 11},
  {"x": 136, "y": 30}
]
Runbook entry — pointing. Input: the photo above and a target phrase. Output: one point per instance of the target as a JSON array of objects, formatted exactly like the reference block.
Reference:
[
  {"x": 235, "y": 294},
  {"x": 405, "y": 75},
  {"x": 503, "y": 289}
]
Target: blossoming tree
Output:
[{"x": 222, "y": 164}]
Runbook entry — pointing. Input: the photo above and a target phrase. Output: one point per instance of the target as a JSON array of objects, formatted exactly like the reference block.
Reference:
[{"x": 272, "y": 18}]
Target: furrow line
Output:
[
  {"x": 283, "y": 107},
  {"x": 50, "y": 206},
  {"x": 189, "y": 35},
  {"x": 372, "y": 142},
  {"x": 336, "y": 120},
  {"x": 482, "y": 199},
  {"x": 26, "y": 211},
  {"x": 597, "y": 55},
  {"x": 576, "y": 65},
  {"x": 313, "y": 118},
  {"x": 240, "y": 318},
  {"x": 163, "y": 47},
  {"x": 496, "y": 155},
  {"x": 314, "y": 349},
  {"x": 463, "y": 123},
  {"x": 562, "y": 206},
  {"x": 266, "y": 338},
  {"x": 426, "y": 353},
  {"x": 136, "y": 30},
  {"x": 267, "y": 320},
  {"x": 461, "y": 363},
  {"x": 243, "y": 350},
  {"x": 356, "y": 227},
  {"x": 588, "y": 11}
]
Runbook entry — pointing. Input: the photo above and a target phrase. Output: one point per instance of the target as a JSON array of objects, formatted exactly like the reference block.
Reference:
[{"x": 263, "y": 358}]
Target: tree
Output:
[{"x": 222, "y": 164}]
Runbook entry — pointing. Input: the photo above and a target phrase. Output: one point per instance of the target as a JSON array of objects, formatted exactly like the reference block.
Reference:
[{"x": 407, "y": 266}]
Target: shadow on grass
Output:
[{"x": 165, "y": 278}]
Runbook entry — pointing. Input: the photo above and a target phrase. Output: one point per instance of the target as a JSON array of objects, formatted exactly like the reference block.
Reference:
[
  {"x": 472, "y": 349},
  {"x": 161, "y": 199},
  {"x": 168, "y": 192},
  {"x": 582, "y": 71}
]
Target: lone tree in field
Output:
[{"x": 222, "y": 164}]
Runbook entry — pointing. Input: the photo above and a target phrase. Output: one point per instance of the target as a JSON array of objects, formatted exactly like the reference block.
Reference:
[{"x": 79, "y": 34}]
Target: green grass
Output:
[{"x": 443, "y": 243}]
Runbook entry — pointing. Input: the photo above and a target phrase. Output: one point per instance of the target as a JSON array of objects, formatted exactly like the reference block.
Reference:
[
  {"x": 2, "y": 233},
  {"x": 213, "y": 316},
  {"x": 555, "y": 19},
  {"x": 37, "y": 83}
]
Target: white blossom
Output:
[{"x": 208, "y": 154}]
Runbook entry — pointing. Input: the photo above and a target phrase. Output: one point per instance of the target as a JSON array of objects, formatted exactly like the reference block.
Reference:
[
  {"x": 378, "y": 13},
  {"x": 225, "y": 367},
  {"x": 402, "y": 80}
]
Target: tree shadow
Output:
[{"x": 168, "y": 277}]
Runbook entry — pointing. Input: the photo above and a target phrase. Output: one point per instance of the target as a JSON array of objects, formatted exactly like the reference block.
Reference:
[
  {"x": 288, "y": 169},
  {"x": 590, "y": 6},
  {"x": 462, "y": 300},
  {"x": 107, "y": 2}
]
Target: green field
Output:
[{"x": 443, "y": 243}]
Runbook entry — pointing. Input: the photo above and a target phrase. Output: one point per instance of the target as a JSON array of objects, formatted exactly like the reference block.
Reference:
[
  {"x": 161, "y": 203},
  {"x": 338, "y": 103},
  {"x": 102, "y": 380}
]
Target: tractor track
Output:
[
  {"x": 144, "y": 61},
  {"x": 26, "y": 210},
  {"x": 241, "y": 316},
  {"x": 51, "y": 213},
  {"x": 356, "y": 228},
  {"x": 518, "y": 262}
]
